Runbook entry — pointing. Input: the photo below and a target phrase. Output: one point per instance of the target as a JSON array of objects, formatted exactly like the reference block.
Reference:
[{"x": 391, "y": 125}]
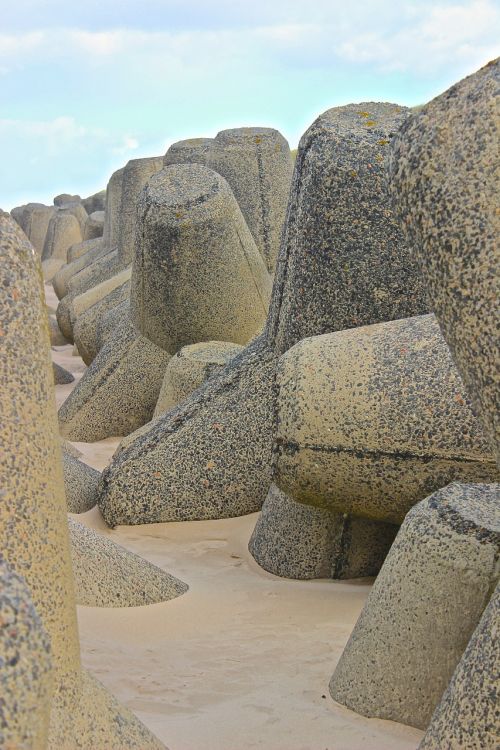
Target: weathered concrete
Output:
[
  {"x": 111, "y": 231},
  {"x": 33, "y": 524},
  {"x": 136, "y": 174},
  {"x": 37, "y": 224},
  {"x": 86, "y": 325},
  {"x": 25, "y": 666},
  {"x": 197, "y": 274},
  {"x": 64, "y": 198},
  {"x": 95, "y": 202},
  {"x": 424, "y": 606},
  {"x": 61, "y": 280},
  {"x": 76, "y": 251},
  {"x": 61, "y": 376},
  {"x": 446, "y": 188},
  {"x": 372, "y": 419},
  {"x": 63, "y": 231},
  {"x": 467, "y": 716},
  {"x": 108, "y": 575},
  {"x": 189, "y": 151},
  {"x": 94, "y": 226},
  {"x": 80, "y": 484},
  {"x": 189, "y": 368},
  {"x": 360, "y": 238},
  {"x": 296, "y": 541},
  {"x": 257, "y": 164},
  {"x": 119, "y": 390}
]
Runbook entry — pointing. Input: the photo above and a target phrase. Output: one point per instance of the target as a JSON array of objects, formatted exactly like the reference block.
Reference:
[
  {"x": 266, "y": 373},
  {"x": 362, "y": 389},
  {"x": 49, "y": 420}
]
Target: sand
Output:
[{"x": 243, "y": 659}]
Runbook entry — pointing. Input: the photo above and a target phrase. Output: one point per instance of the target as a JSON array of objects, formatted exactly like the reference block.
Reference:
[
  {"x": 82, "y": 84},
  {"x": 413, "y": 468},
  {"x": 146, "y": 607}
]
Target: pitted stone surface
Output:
[
  {"x": 95, "y": 202},
  {"x": 63, "y": 231},
  {"x": 296, "y": 541},
  {"x": 76, "y": 251},
  {"x": 189, "y": 368},
  {"x": 37, "y": 224},
  {"x": 467, "y": 716},
  {"x": 424, "y": 606},
  {"x": 118, "y": 392},
  {"x": 61, "y": 376},
  {"x": 210, "y": 457},
  {"x": 136, "y": 174},
  {"x": 248, "y": 442},
  {"x": 197, "y": 274},
  {"x": 345, "y": 260},
  {"x": 91, "y": 276},
  {"x": 94, "y": 226},
  {"x": 80, "y": 484},
  {"x": 189, "y": 151},
  {"x": 61, "y": 280},
  {"x": 110, "y": 320},
  {"x": 257, "y": 164},
  {"x": 446, "y": 180},
  {"x": 108, "y": 575},
  {"x": 373, "y": 419},
  {"x": 34, "y": 535},
  {"x": 111, "y": 233},
  {"x": 25, "y": 666},
  {"x": 85, "y": 327}
]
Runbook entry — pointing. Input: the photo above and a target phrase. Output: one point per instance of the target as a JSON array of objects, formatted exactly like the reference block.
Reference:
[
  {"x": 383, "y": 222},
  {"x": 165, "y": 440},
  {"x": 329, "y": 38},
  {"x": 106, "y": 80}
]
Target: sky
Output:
[{"x": 86, "y": 86}]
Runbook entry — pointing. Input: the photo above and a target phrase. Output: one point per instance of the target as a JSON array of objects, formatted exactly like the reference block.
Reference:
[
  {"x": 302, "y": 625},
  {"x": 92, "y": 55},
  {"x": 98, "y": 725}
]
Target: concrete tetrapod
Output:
[
  {"x": 211, "y": 457},
  {"x": 296, "y": 541},
  {"x": 118, "y": 392},
  {"x": 63, "y": 231},
  {"x": 188, "y": 151},
  {"x": 25, "y": 666},
  {"x": 197, "y": 274},
  {"x": 86, "y": 325},
  {"x": 424, "y": 606},
  {"x": 94, "y": 226},
  {"x": 189, "y": 368},
  {"x": 446, "y": 186},
  {"x": 95, "y": 202},
  {"x": 80, "y": 484},
  {"x": 94, "y": 250},
  {"x": 257, "y": 164},
  {"x": 467, "y": 716},
  {"x": 37, "y": 224},
  {"x": 107, "y": 575},
  {"x": 33, "y": 525},
  {"x": 75, "y": 251},
  {"x": 61, "y": 376},
  {"x": 136, "y": 174},
  {"x": 372, "y": 419}
]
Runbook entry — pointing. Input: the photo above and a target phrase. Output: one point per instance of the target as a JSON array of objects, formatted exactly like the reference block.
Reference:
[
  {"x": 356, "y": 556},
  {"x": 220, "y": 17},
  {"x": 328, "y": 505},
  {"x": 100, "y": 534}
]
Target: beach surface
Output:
[{"x": 244, "y": 658}]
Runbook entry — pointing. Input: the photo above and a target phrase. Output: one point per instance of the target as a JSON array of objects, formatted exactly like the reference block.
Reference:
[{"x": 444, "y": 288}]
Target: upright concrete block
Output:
[
  {"x": 33, "y": 524},
  {"x": 136, "y": 174},
  {"x": 94, "y": 226},
  {"x": 197, "y": 274},
  {"x": 372, "y": 419},
  {"x": 424, "y": 606},
  {"x": 189, "y": 151},
  {"x": 80, "y": 484},
  {"x": 61, "y": 280},
  {"x": 87, "y": 321},
  {"x": 257, "y": 164},
  {"x": 63, "y": 231},
  {"x": 242, "y": 397},
  {"x": 467, "y": 716},
  {"x": 297, "y": 541},
  {"x": 445, "y": 185}
]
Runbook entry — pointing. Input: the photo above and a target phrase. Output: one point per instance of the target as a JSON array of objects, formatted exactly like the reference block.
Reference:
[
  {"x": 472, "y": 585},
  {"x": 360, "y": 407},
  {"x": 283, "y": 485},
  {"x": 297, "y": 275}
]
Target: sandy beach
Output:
[{"x": 243, "y": 659}]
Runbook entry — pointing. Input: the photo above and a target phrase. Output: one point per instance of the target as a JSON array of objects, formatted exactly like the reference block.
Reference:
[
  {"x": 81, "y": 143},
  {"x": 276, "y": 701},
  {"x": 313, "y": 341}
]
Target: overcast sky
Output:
[{"x": 86, "y": 86}]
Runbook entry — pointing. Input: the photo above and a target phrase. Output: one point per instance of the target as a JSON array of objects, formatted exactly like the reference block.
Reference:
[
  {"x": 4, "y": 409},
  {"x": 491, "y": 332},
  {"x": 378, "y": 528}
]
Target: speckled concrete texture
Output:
[
  {"x": 111, "y": 232},
  {"x": 136, "y": 174},
  {"x": 25, "y": 667},
  {"x": 257, "y": 164},
  {"x": 446, "y": 180},
  {"x": 197, "y": 273},
  {"x": 61, "y": 280},
  {"x": 80, "y": 484},
  {"x": 22, "y": 214},
  {"x": 424, "y": 606},
  {"x": 33, "y": 524},
  {"x": 373, "y": 419},
  {"x": 94, "y": 226},
  {"x": 188, "y": 151},
  {"x": 95, "y": 202},
  {"x": 76, "y": 209},
  {"x": 189, "y": 368},
  {"x": 64, "y": 198},
  {"x": 84, "y": 301},
  {"x": 239, "y": 481},
  {"x": 108, "y": 575},
  {"x": 467, "y": 717},
  {"x": 210, "y": 457},
  {"x": 57, "y": 338},
  {"x": 118, "y": 392},
  {"x": 109, "y": 321},
  {"x": 63, "y": 231},
  {"x": 345, "y": 262},
  {"x": 61, "y": 376},
  {"x": 296, "y": 541},
  {"x": 85, "y": 328},
  {"x": 37, "y": 224},
  {"x": 75, "y": 251},
  {"x": 100, "y": 270}
]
